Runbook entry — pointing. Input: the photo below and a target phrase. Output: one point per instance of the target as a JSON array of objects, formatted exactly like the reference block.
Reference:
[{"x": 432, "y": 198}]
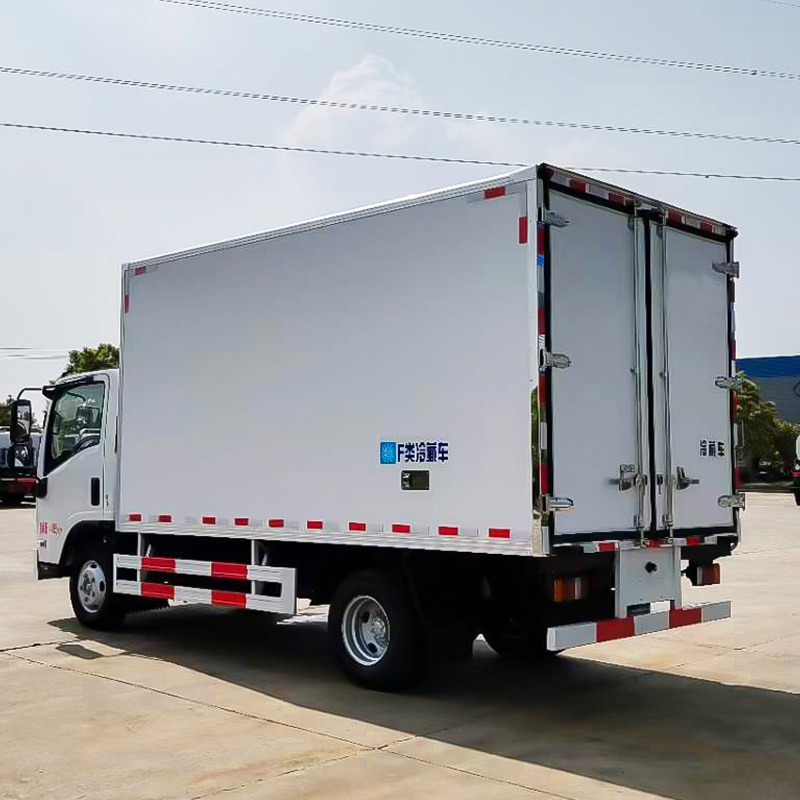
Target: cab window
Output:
[{"x": 75, "y": 422}]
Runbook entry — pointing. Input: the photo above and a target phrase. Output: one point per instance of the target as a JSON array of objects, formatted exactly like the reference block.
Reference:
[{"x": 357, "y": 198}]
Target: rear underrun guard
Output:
[{"x": 606, "y": 630}]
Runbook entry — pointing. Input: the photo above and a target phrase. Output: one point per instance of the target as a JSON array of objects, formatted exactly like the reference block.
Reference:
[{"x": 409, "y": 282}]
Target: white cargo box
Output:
[{"x": 367, "y": 378}]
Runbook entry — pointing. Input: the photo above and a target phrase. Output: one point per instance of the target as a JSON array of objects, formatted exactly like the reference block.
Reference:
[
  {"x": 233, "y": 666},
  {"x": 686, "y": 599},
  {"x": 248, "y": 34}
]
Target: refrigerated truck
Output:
[{"x": 504, "y": 408}]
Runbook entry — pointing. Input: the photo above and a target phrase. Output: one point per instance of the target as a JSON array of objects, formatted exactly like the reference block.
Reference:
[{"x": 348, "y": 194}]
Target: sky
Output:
[{"x": 74, "y": 208}]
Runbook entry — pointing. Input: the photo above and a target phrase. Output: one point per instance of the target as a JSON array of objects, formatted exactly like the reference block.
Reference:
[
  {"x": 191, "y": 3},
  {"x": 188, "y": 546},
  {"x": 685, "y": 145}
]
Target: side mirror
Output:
[
  {"x": 21, "y": 421},
  {"x": 20, "y": 456}
]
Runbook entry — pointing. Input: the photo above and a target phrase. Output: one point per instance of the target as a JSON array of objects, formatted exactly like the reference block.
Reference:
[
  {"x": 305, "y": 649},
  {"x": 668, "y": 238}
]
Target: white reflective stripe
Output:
[
  {"x": 185, "y": 566},
  {"x": 277, "y": 605},
  {"x": 127, "y": 562},
  {"x": 191, "y": 595},
  {"x": 713, "y": 611},
  {"x": 127, "y": 587},
  {"x": 650, "y": 623},
  {"x": 564, "y": 636}
]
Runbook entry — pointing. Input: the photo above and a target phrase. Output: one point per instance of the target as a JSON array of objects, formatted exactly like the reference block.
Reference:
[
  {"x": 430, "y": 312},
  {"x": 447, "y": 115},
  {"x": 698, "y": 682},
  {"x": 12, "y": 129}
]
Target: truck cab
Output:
[{"x": 77, "y": 467}]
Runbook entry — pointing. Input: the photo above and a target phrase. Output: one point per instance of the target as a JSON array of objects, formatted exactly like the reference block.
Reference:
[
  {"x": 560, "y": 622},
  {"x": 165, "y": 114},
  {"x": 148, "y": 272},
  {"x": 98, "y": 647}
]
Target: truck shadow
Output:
[{"x": 673, "y": 736}]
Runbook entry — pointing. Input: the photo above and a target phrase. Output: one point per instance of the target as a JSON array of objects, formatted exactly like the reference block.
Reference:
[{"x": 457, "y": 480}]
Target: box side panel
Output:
[{"x": 260, "y": 382}]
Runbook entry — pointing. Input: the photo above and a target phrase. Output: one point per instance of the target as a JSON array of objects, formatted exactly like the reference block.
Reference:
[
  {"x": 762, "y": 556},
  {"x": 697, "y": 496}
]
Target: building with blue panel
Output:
[{"x": 778, "y": 378}]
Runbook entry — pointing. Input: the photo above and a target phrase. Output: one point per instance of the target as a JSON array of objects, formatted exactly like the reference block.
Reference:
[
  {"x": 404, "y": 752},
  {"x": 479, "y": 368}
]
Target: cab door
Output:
[{"x": 71, "y": 462}]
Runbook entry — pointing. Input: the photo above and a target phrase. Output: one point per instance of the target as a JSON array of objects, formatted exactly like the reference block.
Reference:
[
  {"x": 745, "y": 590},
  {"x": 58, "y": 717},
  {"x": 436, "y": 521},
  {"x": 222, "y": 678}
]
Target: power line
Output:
[
  {"x": 556, "y": 50},
  {"x": 418, "y": 112},
  {"x": 395, "y": 156}
]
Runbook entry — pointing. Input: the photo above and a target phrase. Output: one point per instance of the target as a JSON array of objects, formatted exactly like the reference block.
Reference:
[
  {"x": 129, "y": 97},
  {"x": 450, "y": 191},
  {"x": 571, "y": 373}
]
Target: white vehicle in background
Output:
[{"x": 382, "y": 363}]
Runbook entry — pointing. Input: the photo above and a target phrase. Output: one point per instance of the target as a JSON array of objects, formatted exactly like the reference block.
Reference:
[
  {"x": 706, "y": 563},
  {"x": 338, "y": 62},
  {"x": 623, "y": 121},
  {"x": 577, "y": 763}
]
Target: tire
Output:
[
  {"x": 93, "y": 602},
  {"x": 374, "y": 632},
  {"x": 797, "y": 498},
  {"x": 509, "y": 638},
  {"x": 11, "y": 499}
]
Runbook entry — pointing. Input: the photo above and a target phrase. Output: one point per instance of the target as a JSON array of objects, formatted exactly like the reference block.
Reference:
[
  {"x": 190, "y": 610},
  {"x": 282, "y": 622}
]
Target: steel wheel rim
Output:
[
  {"x": 92, "y": 587},
  {"x": 365, "y": 630}
]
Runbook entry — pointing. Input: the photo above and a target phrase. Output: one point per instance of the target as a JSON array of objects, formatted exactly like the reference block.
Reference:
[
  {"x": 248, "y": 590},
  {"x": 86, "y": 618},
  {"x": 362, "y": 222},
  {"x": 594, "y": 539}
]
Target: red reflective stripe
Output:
[
  {"x": 140, "y": 270},
  {"x": 542, "y": 320},
  {"x": 448, "y": 530},
  {"x": 674, "y": 216},
  {"x": 223, "y": 569},
  {"x": 540, "y": 238},
  {"x": 357, "y": 526},
  {"x": 165, "y": 517},
  {"x": 276, "y": 523},
  {"x": 796, "y": 474},
  {"x": 542, "y": 389},
  {"x": 735, "y": 403},
  {"x": 496, "y": 191},
  {"x": 500, "y": 533},
  {"x": 706, "y": 226},
  {"x": 400, "y": 528},
  {"x": 241, "y": 521},
  {"x": 314, "y": 524},
  {"x": 578, "y": 186},
  {"x": 544, "y": 478},
  {"x": 134, "y": 517},
  {"x": 737, "y": 477},
  {"x": 733, "y": 349},
  {"x": 162, "y": 590},
  {"x": 158, "y": 564},
  {"x": 653, "y": 543},
  {"x": 234, "y": 599},
  {"x": 678, "y": 617},
  {"x": 126, "y": 303},
  {"x": 693, "y": 540},
  {"x": 209, "y": 520},
  {"x": 523, "y": 230},
  {"x": 605, "y": 547},
  {"x": 616, "y": 198},
  {"x": 609, "y": 629}
]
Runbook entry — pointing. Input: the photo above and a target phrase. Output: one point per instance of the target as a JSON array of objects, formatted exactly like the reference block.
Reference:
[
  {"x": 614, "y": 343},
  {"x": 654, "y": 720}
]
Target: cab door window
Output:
[{"x": 75, "y": 422}]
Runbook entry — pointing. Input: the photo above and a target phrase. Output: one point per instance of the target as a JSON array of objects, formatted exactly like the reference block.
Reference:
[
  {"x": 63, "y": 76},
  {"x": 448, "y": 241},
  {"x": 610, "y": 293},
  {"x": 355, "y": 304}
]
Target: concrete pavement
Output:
[{"x": 201, "y": 703}]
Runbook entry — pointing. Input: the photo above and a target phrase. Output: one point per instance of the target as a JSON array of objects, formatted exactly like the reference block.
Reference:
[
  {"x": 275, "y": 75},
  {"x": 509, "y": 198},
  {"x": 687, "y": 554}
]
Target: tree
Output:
[
  {"x": 104, "y": 356},
  {"x": 767, "y": 437},
  {"x": 5, "y": 411}
]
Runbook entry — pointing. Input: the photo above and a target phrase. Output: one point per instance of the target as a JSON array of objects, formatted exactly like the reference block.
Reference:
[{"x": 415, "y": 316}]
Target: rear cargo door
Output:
[
  {"x": 594, "y": 442},
  {"x": 692, "y": 338}
]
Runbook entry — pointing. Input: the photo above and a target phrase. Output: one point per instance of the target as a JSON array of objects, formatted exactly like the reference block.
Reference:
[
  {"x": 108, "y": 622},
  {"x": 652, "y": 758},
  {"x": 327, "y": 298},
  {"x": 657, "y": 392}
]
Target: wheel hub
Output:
[
  {"x": 92, "y": 587},
  {"x": 365, "y": 630}
]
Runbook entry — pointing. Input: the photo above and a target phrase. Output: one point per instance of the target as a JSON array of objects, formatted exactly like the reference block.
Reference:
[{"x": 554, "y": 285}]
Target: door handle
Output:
[
  {"x": 683, "y": 481},
  {"x": 94, "y": 491}
]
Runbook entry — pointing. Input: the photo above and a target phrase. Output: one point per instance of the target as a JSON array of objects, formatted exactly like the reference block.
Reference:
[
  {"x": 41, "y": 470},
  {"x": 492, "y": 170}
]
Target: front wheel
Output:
[
  {"x": 90, "y": 590},
  {"x": 374, "y": 632}
]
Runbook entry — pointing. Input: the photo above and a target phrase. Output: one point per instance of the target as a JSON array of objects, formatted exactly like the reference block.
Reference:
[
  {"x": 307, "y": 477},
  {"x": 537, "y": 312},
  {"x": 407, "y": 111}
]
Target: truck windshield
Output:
[{"x": 76, "y": 416}]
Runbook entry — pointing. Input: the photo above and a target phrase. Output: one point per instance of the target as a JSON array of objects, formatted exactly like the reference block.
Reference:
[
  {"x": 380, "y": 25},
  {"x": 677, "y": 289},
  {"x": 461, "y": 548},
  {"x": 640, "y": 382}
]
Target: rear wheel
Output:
[
  {"x": 90, "y": 589},
  {"x": 512, "y": 638},
  {"x": 375, "y": 633}
]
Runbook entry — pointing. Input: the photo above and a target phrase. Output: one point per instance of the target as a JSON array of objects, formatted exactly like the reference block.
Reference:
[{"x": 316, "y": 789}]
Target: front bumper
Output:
[{"x": 606, "y": 630}]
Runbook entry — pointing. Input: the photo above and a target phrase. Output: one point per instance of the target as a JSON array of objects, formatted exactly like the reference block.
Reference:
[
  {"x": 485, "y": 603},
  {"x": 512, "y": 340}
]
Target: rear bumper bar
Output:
[{"x": 606, "y": 630}]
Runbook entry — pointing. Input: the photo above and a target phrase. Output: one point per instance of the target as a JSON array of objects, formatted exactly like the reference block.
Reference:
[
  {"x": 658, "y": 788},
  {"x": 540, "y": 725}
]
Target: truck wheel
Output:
[
  {"x": 11, "y": 499},
  {"x": 374, "y": 632},
  {"x": 93, "y": 602},
  {"x": 797, "y": 498},
  {"x": 510, "y": 638}
]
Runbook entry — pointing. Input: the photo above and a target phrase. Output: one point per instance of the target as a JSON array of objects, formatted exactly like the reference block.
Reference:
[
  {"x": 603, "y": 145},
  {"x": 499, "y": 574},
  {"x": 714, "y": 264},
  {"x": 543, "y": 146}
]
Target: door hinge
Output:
[
  {"x": 735, "y": 384},
  {"x": 555, "y": 360},
  {"x": 731, "y": 500},
  {"x": 553, "y": 218},
  {"x": 551, "y": 504},
  {"x": 727, "y": 268}
]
